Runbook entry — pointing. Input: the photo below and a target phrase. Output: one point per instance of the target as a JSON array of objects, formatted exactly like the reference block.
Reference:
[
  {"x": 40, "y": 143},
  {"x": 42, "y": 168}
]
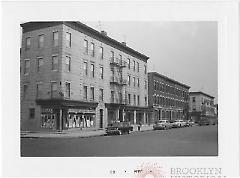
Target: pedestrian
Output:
[{"x": 139, "y": 126}]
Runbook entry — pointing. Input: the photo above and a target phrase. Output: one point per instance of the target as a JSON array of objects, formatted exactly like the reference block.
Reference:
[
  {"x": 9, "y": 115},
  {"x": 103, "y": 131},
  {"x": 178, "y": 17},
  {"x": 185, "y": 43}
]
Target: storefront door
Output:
[{"x": 101, "y": 118}]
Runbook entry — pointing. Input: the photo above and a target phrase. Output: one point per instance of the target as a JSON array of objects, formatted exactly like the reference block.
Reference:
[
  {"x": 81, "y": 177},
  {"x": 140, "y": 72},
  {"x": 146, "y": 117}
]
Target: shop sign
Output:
[
  {"x": 47, "y": 110},
  {"x": 81, "y": 111}
]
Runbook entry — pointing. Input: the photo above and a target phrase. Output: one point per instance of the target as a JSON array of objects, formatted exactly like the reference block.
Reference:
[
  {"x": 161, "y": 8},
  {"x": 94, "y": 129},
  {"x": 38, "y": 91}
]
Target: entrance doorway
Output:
[{"x": 101, "y": 118}]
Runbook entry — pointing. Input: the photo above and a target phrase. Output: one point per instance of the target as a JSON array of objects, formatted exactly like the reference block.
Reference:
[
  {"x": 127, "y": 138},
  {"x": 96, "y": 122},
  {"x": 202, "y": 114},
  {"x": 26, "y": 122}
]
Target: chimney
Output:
[
  {"x": 104, "y": 33},
  {"x": 124, "y": 43}
]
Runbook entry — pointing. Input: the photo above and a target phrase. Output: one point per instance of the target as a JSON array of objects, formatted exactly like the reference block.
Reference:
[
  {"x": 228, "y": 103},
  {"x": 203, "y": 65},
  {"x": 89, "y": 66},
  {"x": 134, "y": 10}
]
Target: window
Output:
[
  {"x": 129, "y": 99},
  {"x": 40, "y": 41},
  {"x": 68, "y": 39},
  {"x": 137, "y": 66},
  {"x": 28, "y": 43},
  {"x": 53, "y": 89},
  {"x": 134, "y": 99},
  {"x": 92, "y": 48},
  {"x": 55, "y": 38},
  {"x": 145, "y": 84},
  {"x": 68, "y": 63},
  {"x": 25, "y": 87},
  {"x": 67, "y": 89},
  {"x": 92, "y": 93},
  {"x": 129, "y": 80},
  {"x": 39, "y": 90},
  {"x": 120, "y": 58},
  {"x": 39, "y": 63},
  {"x": 145, "y": 99},
  {"x": 134, "y": 81},
  {"x": 138, "y": 82},
  {"x": 92, "y": 70},
  {"x": 101, "y": 94},
  {"x": 145, "y": 69},
  {"x": 85, "y": 92},
  {"x": 85, "y": 68},
  {"x": 31, "y": 113},
  {"x": 193, "y": 99},
  {"x": 54, "y": 63},
  {"x": 101, "y": 52},
  {"x": 26, "y": 66},
  {"x": 138, "y": 99},
  {"x": 129, "y": 63},
  {"x": 112, "y": 55},
  {"x": 86, "y": 46},
  {"x": 112, "y": 96},
  {"x": 134, "y": 65},
  {"x": 101, "y": 72}
]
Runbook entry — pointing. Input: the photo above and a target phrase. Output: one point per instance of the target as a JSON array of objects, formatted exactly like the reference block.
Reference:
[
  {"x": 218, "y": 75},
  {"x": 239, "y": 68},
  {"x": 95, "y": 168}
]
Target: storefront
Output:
[{"x": 67, "y": 114}]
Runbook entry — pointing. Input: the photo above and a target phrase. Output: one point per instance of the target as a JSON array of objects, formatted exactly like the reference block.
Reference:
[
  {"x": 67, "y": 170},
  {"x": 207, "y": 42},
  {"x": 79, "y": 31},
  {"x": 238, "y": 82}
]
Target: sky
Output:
[{"x": 182, "y": 50}]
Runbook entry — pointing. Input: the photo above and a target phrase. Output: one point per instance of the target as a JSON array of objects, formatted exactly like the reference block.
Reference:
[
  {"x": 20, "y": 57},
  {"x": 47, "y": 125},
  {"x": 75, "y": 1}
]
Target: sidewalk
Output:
[{"x": 74, "y": 133}]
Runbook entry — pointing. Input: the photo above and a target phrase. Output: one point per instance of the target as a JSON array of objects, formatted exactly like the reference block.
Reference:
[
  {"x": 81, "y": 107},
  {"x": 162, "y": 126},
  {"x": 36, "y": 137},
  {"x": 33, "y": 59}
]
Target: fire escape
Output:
[{"x": 117, "y": 82}]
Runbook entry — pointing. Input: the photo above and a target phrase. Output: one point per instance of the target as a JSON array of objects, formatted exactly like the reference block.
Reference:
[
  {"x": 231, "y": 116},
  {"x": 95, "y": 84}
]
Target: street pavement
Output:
[{"x": 188, "y": 141}]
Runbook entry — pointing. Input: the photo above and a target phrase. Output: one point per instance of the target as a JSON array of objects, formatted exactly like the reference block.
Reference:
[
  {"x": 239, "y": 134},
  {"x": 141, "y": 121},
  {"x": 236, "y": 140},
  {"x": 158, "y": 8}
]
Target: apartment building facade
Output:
[
  {"x": 74, "y": 76},
  {"x": 168, "y": 99},
  {"x": 201, "y": 105}
]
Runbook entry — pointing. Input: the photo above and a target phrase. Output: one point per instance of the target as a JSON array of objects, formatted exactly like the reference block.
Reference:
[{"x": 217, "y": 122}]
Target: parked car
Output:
[
  {"x": 119, "y": 128},
  {"x": 203, "y": 122},
  {"x": 162, "y": 124},
  {"x": 178, "y": 123},
  {"x": 189, "y": 123}
]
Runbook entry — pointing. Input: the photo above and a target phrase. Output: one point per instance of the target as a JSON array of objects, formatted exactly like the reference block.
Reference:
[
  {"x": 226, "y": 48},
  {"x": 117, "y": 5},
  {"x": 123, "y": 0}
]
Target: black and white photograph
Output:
[
  {"x": 81, "y": 87},
  {"x": 120, "y": 89}
]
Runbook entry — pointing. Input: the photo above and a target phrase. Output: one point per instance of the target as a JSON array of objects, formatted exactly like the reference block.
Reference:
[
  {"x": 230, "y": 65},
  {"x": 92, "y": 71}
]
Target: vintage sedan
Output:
[
  {"x": 119, "y": 128},
  {"x": 162, "y": 124},
  {"x": 179, "y": 123}
]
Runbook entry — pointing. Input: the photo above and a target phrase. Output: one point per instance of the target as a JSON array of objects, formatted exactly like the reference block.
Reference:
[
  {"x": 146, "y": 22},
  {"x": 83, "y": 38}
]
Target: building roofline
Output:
[
  {"x": 29, "y": 26},
  {"x": 172, "y": 80},
  {"x": 200, "y": 92}
]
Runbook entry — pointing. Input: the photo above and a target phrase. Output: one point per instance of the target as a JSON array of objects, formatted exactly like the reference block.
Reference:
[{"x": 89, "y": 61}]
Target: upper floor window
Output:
[
  {"x": 68, "y": 39},
  {"x": 120, "y": 58},
  {"x": 145, "y": 99},
  {"x": 193, "y": 99},
  {"x": 145, "y": 69},
  {"x": 134, "y": 81},
  {"x": 92, "y": 93},
  {"x": 101, "y": 72},
  {"x": 55, "y": 38},
  {"x": 39, "y": 90},
  {"x": 138, "y": 82},
  {"x": 112, "y": 55},
  {"x": 26, "y": 66},
  {"x": 67, "y": 84},
  {"x": 138, "y": 100},
  {"x": 31, "y": 113},
  {"x": 92, "y": 70},
  {"x": 101, "y": 52},
  {"x": 134, "y": 65},
  {"x": 39, "y": 63},
  {"x": 25, "y": 88},
  {"x": 129, "y": 63},
  {"x": 101, "y": 94},
  {"x": 28, "y": 43},
  {"x": 68, "y": 63},
  {"x": 85, "y": 92},
  {"x": 40, "y": 41},
  {"x": 129, "y": 80},
  {"x": 92, "y": 48},
  {"x": 137, "y": 66},
  {"x": 134, "y": 99},
  {"x": 129, "y": 99},
  {"x": 53, "y": 89},
  {"x": 85, "y": 46},
  {"x": 145, "y": 84},
  {"x": 54, "y": 63},
  {"x": 85, "y": 68},
  {"x": 112, "y": 96}
]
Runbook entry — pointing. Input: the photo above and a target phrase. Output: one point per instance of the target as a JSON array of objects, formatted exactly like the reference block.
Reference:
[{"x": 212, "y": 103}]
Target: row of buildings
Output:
[{"x": 74, "y": 76}]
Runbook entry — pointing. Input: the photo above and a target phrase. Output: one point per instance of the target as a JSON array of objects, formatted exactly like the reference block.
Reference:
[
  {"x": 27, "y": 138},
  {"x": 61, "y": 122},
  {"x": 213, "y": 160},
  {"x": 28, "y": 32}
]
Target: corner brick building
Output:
[
  {"x": 74, "y": 76},
  {"x": 168, "y": 99}
]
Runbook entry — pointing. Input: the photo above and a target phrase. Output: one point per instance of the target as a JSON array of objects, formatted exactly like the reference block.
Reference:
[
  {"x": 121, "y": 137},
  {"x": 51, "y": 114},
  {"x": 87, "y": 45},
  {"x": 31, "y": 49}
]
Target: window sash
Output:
[
  {"x": 41, "y": 41},
  {"x": 86, "y": 46},
  {"x": 54, "y": 62},
  {"x": 55, "y": 38},
  {"x": 68, "y": 39},
  {"x": 26, "y": 66}
]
